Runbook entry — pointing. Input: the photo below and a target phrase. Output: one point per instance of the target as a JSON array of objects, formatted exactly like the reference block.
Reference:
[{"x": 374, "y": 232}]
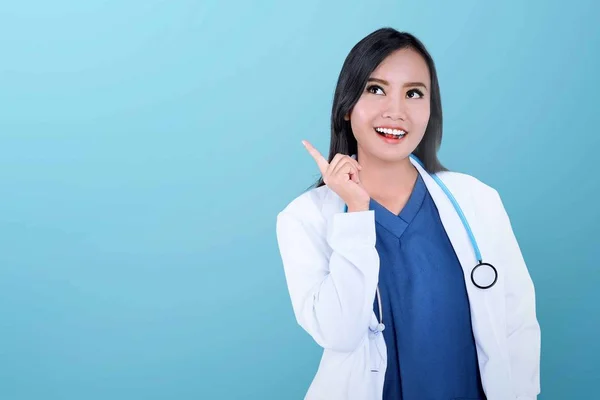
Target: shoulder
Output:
[
  {"x": 474, "y": 193},
  {"x": 307, "y": 217},
  {"x": 309, "y": 206},
  {"x": 316, "y": 205},
  {"x": 465, "y": 183}
]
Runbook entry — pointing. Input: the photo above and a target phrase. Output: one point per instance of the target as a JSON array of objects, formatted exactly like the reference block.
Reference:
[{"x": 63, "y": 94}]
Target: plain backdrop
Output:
[{"x": 146, "y": 148}]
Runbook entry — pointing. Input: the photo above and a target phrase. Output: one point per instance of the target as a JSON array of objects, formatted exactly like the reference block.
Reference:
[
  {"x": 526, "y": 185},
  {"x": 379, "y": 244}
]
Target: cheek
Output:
[
  {"x": 420, "y": 115},
  {"x": 358, "y": 118},
  {"x": 361, "y": 117}
]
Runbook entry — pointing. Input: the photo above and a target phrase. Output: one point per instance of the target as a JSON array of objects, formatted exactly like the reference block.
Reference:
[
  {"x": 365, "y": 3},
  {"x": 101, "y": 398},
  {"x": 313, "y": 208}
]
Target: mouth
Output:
[{"x": 393, "y": 134}]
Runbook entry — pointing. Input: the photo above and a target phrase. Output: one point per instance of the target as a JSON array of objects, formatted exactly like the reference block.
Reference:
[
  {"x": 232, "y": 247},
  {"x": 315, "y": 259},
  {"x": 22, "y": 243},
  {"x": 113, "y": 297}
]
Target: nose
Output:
[{"x": 395, "y": 109}]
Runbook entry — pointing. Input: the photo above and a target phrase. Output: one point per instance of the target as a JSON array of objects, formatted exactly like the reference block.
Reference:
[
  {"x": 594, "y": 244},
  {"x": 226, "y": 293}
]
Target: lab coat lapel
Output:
[
  {"x": 451, "y": 221},
  {"x": 479, "y": 299}
]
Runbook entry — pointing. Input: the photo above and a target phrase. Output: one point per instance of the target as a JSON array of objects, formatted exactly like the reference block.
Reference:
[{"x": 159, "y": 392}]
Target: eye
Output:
[
  {"x": 375, "y": 89},
  {"x": 413, "y": 93}
]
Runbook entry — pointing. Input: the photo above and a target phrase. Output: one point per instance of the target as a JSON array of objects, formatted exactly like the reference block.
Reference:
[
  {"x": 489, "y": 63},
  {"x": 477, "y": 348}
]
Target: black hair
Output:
[{"x": 362, "y": 60}]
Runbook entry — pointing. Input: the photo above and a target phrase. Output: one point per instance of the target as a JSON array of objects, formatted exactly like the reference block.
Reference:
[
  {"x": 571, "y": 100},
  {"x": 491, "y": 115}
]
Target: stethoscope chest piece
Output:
[{"x": 484, "y": 275}]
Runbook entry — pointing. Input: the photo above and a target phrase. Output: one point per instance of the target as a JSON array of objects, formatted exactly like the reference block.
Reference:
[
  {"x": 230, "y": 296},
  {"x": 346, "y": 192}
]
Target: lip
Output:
[{"x": 391, "y": 140}]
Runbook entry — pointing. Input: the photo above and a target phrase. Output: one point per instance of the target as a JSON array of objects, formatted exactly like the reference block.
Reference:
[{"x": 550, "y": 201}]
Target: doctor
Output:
[{"x": 408, "y": 275}]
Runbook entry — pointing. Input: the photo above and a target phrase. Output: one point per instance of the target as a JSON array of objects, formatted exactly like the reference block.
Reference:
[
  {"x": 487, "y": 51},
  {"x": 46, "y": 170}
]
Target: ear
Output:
[{"x": 347, "y": 117}]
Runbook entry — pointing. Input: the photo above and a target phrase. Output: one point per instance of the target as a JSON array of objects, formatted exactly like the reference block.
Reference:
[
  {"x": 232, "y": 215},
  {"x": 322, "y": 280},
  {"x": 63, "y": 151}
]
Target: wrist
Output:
[{"x": 358, "y": 207}]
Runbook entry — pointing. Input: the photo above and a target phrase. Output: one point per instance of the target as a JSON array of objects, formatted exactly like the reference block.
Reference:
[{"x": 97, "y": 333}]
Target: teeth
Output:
[{"x": 387, "y": 131}]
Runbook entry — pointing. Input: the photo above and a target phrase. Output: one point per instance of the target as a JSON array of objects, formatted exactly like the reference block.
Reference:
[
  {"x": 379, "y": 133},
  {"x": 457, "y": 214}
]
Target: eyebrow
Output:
[{"x": 384, "y": 82}]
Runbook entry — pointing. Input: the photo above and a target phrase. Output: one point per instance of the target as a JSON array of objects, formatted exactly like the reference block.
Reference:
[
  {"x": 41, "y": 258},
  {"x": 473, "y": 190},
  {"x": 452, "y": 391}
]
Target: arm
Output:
[
  {"x": 332, "y": 295},
  {"x": 523, "y": 330}
]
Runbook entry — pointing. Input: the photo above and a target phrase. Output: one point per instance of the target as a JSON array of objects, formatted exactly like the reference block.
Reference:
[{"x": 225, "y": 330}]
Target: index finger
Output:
[{"x": 322, "y": 162}]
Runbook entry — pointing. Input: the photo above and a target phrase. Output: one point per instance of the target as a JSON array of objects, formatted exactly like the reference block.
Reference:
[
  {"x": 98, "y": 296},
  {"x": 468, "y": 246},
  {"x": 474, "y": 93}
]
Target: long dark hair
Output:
[{"x": 362, "y": 60}]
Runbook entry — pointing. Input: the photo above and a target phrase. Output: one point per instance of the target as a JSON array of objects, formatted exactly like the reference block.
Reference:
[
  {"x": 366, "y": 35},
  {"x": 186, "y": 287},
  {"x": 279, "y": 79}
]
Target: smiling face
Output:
[{"x": 390, "y": 117}]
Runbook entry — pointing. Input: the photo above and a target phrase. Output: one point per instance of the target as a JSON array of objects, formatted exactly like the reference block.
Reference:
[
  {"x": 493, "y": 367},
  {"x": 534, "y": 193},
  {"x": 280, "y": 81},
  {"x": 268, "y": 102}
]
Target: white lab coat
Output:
[{"x": 332, "y": 267}]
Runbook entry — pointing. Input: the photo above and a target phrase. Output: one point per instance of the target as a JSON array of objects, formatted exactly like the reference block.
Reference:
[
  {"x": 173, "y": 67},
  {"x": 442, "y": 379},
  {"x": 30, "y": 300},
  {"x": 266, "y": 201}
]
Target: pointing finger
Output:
[{"x": 321, "y": 161}]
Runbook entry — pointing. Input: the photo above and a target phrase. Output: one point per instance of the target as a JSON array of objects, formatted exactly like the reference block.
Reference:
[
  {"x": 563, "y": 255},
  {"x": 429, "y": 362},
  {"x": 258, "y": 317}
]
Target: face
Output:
[{"x": 390, "y": 117}]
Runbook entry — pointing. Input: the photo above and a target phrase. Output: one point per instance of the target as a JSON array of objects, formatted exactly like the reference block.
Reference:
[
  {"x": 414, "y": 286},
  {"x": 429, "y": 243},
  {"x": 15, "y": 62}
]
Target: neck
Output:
[{"x": 387, "y": 180}]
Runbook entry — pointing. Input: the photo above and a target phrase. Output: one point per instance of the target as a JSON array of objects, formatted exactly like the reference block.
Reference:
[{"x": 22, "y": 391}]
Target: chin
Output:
[
  {"x": 391, "y": 154},
  {"x": 394, "y": 157},
  {"x": 386, "y": 151}
]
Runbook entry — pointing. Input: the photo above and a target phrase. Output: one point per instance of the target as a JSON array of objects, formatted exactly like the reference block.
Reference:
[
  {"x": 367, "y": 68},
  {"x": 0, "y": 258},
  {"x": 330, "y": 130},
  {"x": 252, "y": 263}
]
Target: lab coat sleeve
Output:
[
  {"x": 523, "y": 330},
  {"x": 331, "y": 276}
]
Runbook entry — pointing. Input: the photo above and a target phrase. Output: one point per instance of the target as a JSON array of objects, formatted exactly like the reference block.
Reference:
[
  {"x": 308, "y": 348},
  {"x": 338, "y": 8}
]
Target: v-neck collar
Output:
[{"x": 397, "y": 224}]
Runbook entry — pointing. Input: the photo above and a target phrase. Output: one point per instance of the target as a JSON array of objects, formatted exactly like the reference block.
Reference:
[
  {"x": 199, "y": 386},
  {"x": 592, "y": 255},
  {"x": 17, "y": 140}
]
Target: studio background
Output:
[{"x": 147, "y": 146}]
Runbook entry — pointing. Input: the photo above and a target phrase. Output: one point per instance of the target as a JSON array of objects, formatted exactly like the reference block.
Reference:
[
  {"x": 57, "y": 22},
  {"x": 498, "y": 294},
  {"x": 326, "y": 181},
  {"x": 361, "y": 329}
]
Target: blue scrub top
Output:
[{"x": 428, "y": 333}]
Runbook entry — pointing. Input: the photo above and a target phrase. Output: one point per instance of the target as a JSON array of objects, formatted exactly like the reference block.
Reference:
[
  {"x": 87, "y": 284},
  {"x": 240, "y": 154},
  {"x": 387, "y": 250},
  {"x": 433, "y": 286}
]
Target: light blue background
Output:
[{"x": 146, "y": 148}]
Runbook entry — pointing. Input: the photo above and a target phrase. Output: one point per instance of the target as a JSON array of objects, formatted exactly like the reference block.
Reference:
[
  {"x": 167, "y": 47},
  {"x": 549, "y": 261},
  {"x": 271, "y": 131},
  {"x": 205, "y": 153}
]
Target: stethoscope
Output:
[{"x": 481, "y": 266}]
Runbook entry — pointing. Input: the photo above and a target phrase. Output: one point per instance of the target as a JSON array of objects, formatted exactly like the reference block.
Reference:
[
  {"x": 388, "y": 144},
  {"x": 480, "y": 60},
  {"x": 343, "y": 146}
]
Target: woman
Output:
[{"x": 379, "y": 263}]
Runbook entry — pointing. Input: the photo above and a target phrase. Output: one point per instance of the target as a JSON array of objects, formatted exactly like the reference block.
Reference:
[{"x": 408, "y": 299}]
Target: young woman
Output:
[{"x": 408, "y": 275}]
